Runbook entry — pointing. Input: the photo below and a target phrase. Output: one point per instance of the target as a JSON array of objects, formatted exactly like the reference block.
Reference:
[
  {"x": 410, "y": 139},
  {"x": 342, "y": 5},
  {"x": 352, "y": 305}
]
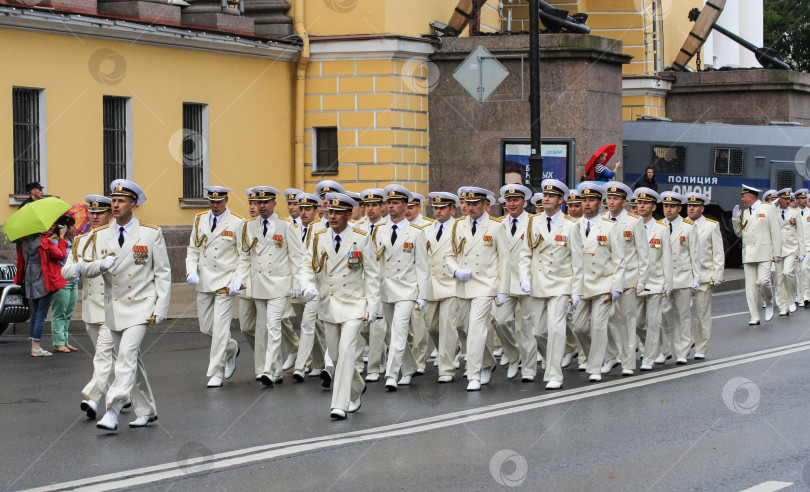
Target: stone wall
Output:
[{"x": 581, "y": 99}]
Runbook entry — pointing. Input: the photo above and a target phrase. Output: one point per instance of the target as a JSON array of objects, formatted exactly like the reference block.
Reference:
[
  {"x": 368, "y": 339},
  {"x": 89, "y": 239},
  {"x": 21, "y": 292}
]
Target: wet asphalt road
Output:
[{"x": 733, "y": 421}]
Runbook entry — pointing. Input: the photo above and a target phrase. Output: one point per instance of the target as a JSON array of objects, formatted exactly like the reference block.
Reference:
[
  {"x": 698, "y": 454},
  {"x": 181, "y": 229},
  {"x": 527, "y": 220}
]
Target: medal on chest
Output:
[
  {"x": 602, "y": 240},
  {"x": 628, "y": 235},
  {"x": 407, "y": 247},
  {"x": 279, "y": 240},
  {"x": 488, "y": 241},
  {"x": 560, "y": 240},
  {"x": 228, "y": 235},
  {"x": 683, "y": 240},
  {"x": 655, "y": 243},
  {"x": 355, "y": 258},
  {"x": 140, "y": 254}
]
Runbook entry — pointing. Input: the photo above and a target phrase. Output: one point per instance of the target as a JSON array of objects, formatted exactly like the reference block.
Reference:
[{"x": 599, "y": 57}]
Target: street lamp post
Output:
[{"x": 535, "y": 156}]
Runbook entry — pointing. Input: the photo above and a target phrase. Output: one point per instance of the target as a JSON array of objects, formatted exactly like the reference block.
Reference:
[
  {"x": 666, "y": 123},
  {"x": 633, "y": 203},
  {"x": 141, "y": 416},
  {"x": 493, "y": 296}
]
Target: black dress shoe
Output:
[
  {"x": 753, "y": 323},
  {"x": 266, "y": 380},
  {"x": 326, "y": 379}
]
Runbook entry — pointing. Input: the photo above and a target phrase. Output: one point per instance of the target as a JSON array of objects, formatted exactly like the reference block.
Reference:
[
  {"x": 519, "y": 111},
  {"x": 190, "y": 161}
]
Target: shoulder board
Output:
[
  {"x": 151, "y": 226},
  {"x": 202, "y": 213},
  {"x": 496, "y": 219},
  {"x": 380, "y": 223},
  {"x": 237, "y": 215},
  {"x": 321, "y": 231},
  {"x": 80, "y": 236},
  {"x": 359, "y": 231},
  {"x": 635, "y": 216},
  {"x": 101, "y": 228},
  {"x": 569, "y": 218},
  {"x": 252, "y": 218},
  {"x": 607, "y": 220},
  {"x": 286, "y": 219},
  {"x": 352, "y": 221},
  {"x": 662, "y": 223},
  {"x": 420, "y": 227},
  {"x": 711, "y": 220},
  {"x": 429, "y": 220},
  {"x": 688, "y": 221},
  {"x": 766, "y": 203},
  {"x": 460, "y": 218}
]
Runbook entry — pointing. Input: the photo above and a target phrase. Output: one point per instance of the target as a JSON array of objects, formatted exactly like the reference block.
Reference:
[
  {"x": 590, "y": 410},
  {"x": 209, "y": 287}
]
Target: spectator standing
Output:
[{"x": 63, "y": 302}]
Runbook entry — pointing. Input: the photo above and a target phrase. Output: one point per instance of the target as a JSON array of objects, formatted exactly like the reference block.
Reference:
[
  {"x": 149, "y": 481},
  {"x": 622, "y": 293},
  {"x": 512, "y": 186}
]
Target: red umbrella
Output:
[
  {"x": 589, "y": 167},
  {"x": 81, "y": 215}
]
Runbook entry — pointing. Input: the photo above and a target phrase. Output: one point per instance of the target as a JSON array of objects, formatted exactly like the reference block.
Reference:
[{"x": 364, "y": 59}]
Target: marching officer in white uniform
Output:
[
  {"x": 477, "y": 258},
  {"x": 603, "y": 278},
  {"x": 712, "y": 263},
  {"x": 344, "y": 259},
  {"x": 321, "y": 189},
  {"x": 211, "y": 257},
  {"x": 376, "y": 333},
  {"x": 270, "y": 256},
  {"x": 551, "y": 271},
  {"x": 685, "y": 281},
  {"x": 419, "y": 342},
  {"x": 793, "y": 252},
  {"x": 804, "y": 269},
  {"x": 758, "y": 226},
  {"x": 132, "y": 258}
]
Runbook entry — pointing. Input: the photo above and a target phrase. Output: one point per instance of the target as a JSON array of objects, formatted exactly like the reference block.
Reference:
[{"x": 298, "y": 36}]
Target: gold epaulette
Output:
[
  {"x": 711, "y": 220},
  {"x": 151, "y": 226},
  {"x": 237, "y": 215},
  {"x": 359, "y": 231},
  {"x": 420, "y": 227},
  {"x": 101, "y": 228},
  {"x": 352, "y": 221},
  {"x": 607, "y": 220},
  {"x": 496, "y": 219},
  {"x": 75, "y": 239},
  {"x": 201, "y": 213},
  {"x": 569, "y": 218},
  {"x": 430, "y": 221},
  {"x": 635, "y": 216},
  {"x": 252, "y": 218},
  {"x": 688, "y": 221},
  {"x": 321, "y": 231},
  {"x": 461, "y": 218},
  {"x": 662, "y": 223},
  {"x": 286, "y": 218}
]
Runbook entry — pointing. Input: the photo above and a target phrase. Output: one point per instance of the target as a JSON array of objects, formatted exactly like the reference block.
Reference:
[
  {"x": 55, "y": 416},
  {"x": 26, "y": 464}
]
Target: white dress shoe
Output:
[
  {"x": 753, "y": 322},
  {"x": 214, "y": 382},
  {"x": 595, "y": 378},
  {"x": 434, "y": 354},
  {"x": 230, "y": 364},
  {"x": 645, "y": 367},
  {"x": 567, "y": 359},
  {"x": 277, "y": 379},
  {"x": 539, "y": 358},
  {"x": 609, "y": 365},
  {"x": 109, "y": 421},
  {"x": 792, "y": 307},
  {"x": 404, "y": 380},
  {"x": 298, "y": 376},
  {"x": 553, "y": 385},
  {"x": 436, "y": 362},
  {"x": 504, "y": 360},
  {"x": 142, "y": 421},
  {"x": 290, "y": 362},
  {"x": 680, "y": 361},
  {"x": 768, "y": 313},
  {"x": 445, "y": 379},
  {"x": 543, "y": 364},
  {"x": 627, "y": 372},
  {"x": 474, "y": 385},
  {"x": 337, "y": 414},
  {"x": 326, "y": 377},
  {"x": 582, "y": 367},
  {"x": 372, "y": 377},
  {"x": 783, "y": 313},
  {"x": 419, "y": 372},
  {"x": 314, "y": 373},
  {"x": 527, "y": 379},
  {"x": 390, "y": 384},
  {"x": 699, "y": 356},
  {"x": 355, "y": 405},
  {"x": 660, "y": 359},
  {"x": 127, "y": 403},
  {"x": 486, "y": 374},
  {"x": 259, "y": 377},
  {"x": 267, "y": 380},
  {"x": 497, "y": 352},
  {"x": 512, "y": 370},
  {"x": 89, "y": 407}
]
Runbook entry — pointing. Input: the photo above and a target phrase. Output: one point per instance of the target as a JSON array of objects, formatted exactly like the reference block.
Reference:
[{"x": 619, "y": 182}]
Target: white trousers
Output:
[
  {"x": 269, "y": 313},
  {"x": 474, "y": 318},
  {"x": 651, "y": 309},
  {"x": 590, "y": 330},
  {"x": 757, "y": 281},
  {"x": 247, "y": 324},
  {"x": 103, "y": 361},
  {"x": 400, "y": 357},
  {"x": 342, "y": 342},
  {"x": 311, "y": 343},
  {"x": 703, "y": 312},
  {"x": 548, "y": 318},
  {"x": 130, "y": 374},
  {"x": 440, "y": 321},
  {"x": 786, "y": 282},
  {"x": 215, "y": 312},
  {"x": 622, "y": 341},
  {"x": 513, "y": 323},
  {"x": 676, "y": 335}
]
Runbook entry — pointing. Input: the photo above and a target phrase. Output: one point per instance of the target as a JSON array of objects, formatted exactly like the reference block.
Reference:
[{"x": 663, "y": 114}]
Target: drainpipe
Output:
[{"x": 300, "y": 92}]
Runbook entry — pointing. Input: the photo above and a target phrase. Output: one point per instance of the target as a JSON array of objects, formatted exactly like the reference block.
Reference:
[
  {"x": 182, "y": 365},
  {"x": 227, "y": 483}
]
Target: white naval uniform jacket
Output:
[
  {"x": 604, "y": 261},
  {"x": 685, "y": 253},
  {"x": 792, "y": 232},
  {"x": 484, "y": 254},
  {"x": 804, "y": 218},
  {"x": 712, "y": 253},
  {"x": 659, "y": 249},
  {"x": 345, "y": 293},
  {"x": 514, "y": 246},
  {"x": 270, "y": 261},
  {"x": 403, "y": 264},
  {"x": 555, "y": 265},
  {"x": 138, "y": 285},
  {"x": 92, "y": 288},
  {"x": 760, "y": 234},
  {"x": 630, "y": 229},
  {"x": 441, "y": 284},
  {"x": 213, "y": 255}
]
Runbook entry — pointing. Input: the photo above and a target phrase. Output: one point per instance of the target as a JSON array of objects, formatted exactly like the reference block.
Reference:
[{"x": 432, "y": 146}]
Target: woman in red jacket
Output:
[{"x": 39, "y": 273}]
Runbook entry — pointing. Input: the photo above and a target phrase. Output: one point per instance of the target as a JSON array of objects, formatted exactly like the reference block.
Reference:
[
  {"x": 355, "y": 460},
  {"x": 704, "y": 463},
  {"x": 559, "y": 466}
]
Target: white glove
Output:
[
  {"x": 695, "y": 287},
  {"x": 526, "y": 286},
  {"x": 716, "y": 282},
  {"x": 640, "y": 288},
  {"x": 614, "y": 295},
  {"x": 107, "y": 263},
  {"x": 310, "y": 293},
  {"x": 159, "y": 319},
  {"x": 668, "y": 293},
  {"x": 735, "y": 213},
  {"x": 462, "y": 274},
  {"x": 296, "y": 294},
  {"x": 801, "y": 259},
  {"x": 234, "y": 288},
  {"x": 500, "y": 300},
  {"x": 777, "y": 259},
  {"x": 420, "y": 304},
  {"x": 77, "y": 270},
  {"x": 372, "y": 317},
  {"x": 575, "y": 301},
  {"x": 192, "y": 278}
]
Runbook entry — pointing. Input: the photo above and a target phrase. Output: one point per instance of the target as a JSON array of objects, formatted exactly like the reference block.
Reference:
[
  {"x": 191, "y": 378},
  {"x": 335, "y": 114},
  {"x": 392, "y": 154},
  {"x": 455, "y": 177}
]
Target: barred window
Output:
[
  {"x": 728, "y": 161},
  {"x": 116, "y": 130},
  {"x": 195, "y": 149},
  {"x": 669, "y": 159},
  {"x": 785, "y": 179},
  {"x": 27, "y": 146},
  {"x": 326, "y": 150}
]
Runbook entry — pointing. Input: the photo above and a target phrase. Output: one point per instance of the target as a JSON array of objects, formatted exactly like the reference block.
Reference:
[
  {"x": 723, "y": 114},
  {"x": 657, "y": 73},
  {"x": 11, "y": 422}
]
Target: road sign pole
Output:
[{"x": 535, "y": 157}]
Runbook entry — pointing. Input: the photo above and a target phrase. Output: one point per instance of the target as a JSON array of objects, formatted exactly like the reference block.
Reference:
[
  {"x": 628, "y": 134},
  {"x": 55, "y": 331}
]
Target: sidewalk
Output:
[{"x": 183, "y": 307}]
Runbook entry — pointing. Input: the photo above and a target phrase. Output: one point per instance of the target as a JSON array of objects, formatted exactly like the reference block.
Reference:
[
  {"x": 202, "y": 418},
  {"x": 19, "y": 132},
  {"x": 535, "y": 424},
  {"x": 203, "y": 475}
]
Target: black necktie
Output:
[
  {"x": 670, "y": 227},
  {"x": 587, "y": 228},
  {"x": 783, "y": 215},
  {"x": 548, "y": 223},
  {"x": 304, "y": 234},
  {"x": 337, "y": 243},
  {"x": 215, "y": 225},
  {"x": 439, "y": 234},
  {"x": 121, "y": 237},
  {"x": 393, "y": 234},
  {"x": 613, "y": 219},
  {"x": 514, "y": 226},
  {"x": 751, "y": 210},
  {"x": 264, "y": 227},
  {"x": 371, "y": 229},
  {"x": 473, "y": 227}
]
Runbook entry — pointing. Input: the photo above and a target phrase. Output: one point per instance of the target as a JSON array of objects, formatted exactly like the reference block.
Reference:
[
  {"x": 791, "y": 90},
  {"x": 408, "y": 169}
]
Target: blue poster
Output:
[{"x": 516, "y": 162}]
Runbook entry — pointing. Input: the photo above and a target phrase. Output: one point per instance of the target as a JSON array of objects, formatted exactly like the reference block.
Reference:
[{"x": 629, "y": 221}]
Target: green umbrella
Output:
[{"x": 34, "y": 218}]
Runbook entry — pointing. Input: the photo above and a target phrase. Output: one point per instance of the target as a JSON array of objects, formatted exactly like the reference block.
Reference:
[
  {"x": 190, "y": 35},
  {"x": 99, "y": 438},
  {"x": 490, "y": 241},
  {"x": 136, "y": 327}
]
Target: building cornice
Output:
[{"x": 369, "y": 48}]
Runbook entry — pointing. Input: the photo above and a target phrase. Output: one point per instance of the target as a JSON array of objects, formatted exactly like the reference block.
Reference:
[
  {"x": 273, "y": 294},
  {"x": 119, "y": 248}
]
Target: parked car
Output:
[{"x": 13, "y": 305}]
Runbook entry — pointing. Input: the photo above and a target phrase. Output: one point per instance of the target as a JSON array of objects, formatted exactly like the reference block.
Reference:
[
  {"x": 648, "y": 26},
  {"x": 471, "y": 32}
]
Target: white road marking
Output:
[
  {"x": 241, "y": 457},
  {"x": 730, "y": 314},
  {"x": 771, "y": 486}
]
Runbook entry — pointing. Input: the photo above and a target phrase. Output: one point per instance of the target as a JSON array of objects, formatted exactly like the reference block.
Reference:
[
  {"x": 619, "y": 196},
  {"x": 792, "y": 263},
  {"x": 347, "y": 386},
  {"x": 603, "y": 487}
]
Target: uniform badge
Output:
[
  {"x": 628, "y": 235},
  {"x": 655, "y": 243},
  {"x": 279, "y": 240},
  {"x": 355, "y": 258},
  {"x": 602, "y": 240},
  {"x": 560, "y": 240},
  {"x": 488, "y": 241},
  {"x": 140, "y": 254},
  {"x": 228, "y": 235},
  {"x": 761, "y": 216},
  {"x": 407, "y": 247},
  {"x": 793, "y": 220},
  {"x": 683, "y": 240}
]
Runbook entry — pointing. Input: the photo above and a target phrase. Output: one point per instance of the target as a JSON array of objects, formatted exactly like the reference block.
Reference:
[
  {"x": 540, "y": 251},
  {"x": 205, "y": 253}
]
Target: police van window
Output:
[
  {"x": 728, "y": 161},
  {"x": 669, "y": 159}
]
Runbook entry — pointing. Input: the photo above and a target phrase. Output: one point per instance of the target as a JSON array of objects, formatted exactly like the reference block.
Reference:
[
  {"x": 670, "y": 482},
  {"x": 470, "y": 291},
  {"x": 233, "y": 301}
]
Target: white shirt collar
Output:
[
  {"x": 672, "y": 221},
  {"x": 416, "y": 219},
  {"x": 438, "y": 224},
  {"x": 592, "y": 220},
  {"x": 401, "y": 223},
  {"x": 519, "y": 218},
  {"x": 554, "y": 217},
  {"x": 752, "y": 207},
  {"x": 218, "y": 217},
  {"x": 127, "y": 227},
  {"x": 649, "y": 222},
  {"x": 342, "y": 235},
  {"x": 610, "y": 215}
]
